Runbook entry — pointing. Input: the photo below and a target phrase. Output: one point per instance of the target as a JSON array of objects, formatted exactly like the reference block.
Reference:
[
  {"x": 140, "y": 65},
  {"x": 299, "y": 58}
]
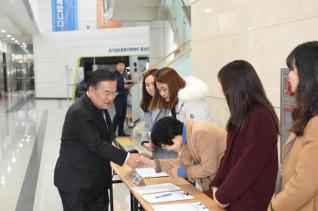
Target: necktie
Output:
[{"x": 104, "y": 116}]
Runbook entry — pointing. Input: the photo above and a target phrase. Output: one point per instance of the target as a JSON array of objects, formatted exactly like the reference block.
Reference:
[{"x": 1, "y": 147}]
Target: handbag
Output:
[{"x": 279, "y": 179}]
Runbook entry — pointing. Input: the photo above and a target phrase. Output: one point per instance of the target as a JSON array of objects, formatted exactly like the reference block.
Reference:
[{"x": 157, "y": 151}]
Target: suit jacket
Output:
[
  {"x": 122, "y": 92},
  {"x": 300, "y": 172},
  {"x": 202, "y": 154},
  {"x": 247, "y": 174},
  {"x": 83, "y": 166}
]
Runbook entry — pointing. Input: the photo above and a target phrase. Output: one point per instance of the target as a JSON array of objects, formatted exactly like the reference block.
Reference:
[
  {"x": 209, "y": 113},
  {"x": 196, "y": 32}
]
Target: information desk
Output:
[
  {"x": 125, "y": 174},
  {"x": 127, "y": 144}
]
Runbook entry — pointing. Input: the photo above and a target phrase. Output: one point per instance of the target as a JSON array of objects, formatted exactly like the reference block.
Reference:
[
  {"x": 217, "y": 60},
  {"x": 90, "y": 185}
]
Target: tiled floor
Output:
[{"x": 30, "y": 133}]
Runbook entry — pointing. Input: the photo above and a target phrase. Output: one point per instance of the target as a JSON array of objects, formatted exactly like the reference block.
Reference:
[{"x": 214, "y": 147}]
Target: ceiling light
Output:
[
  {"x": 8, "y": 35},
  {"x": 12, "y": 38},
  {"x": 16, "y": 41},
  {"x": 3, "y": 31},
  {"x": 208, "y": 10}
]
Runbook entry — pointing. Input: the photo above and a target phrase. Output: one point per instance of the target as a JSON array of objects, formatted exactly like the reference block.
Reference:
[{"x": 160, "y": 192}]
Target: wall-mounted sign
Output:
[
  {"x": 129, "y": 50},
  {"x": 64, "y": 15}
]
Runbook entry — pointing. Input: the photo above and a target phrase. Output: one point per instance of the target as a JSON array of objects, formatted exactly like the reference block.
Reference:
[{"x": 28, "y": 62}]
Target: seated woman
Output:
[
  {"x": 151, "y": 117},
  {"x": 200, "y": 145},
  {"x": 181, "y": 96}
]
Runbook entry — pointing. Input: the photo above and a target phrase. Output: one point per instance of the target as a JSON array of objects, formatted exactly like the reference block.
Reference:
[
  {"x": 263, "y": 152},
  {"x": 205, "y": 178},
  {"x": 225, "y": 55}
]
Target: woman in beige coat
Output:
[
  {"x": 200, "y": 145},
  {"x": 300, "y": 153}
]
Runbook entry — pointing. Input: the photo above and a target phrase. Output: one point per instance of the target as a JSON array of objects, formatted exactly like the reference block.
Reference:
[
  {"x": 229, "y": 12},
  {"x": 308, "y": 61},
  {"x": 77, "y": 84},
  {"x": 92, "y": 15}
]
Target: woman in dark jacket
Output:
[{"x": 247, "y": 174}]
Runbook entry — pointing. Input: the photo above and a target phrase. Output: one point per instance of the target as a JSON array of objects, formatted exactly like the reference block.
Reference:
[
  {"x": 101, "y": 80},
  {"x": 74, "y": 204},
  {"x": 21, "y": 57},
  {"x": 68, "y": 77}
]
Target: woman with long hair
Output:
[
  {"x": 184, "y": 97},
  {"x": 300, "y": 152},
  {"x": 151, "y": 117},
  {"x": 247, "y": 174}
]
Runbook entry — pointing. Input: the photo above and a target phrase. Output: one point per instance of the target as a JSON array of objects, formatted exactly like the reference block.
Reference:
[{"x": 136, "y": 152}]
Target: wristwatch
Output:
[
  {"x": 142, "y": 143},
  {"x": 158, "y": 166}
]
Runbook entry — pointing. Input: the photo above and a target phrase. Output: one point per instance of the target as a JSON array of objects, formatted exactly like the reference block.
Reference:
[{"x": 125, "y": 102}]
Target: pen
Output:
[{"x": 163, "y": 195}]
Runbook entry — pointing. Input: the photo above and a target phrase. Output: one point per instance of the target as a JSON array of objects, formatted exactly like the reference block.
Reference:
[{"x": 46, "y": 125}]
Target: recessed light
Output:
[
  {"x": 12, "y": 38},
  {"x": 208, "y": 10},
  {"x": 3, "y": 31},
  {"x": 8, "y": 35}
]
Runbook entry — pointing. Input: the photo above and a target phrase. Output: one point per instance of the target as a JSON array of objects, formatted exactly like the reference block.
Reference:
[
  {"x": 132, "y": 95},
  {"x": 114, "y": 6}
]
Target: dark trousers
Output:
[
  {"x": 120, "y": 116},
  {"x": 73, "y": 202}
]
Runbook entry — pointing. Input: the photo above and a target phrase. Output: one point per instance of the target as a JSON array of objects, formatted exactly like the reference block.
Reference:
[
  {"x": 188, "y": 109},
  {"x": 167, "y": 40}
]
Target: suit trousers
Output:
[
  {"x": 120, "y": 116},
  {"x": 74, "y": 202}
]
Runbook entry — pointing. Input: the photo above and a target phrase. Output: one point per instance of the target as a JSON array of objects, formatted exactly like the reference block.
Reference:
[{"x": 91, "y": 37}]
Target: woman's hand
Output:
[
  {"x": 149, "y": 146},
  {"x": 214, "y": 189},
  {"x": 173, "y": 172}
]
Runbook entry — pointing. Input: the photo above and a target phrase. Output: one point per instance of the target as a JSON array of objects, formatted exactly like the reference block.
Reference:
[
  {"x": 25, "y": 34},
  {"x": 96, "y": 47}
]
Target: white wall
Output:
[
  {"x": 35, "y": 6},
  {"x": 56, "y": 54},
  {"x": 161, "y": 40},
  {"x": 3, "y": 46},
  {"x": 161, "y": 35},
  {"x": 262, "y": 32},
  {"x": 87, "y": 15}
]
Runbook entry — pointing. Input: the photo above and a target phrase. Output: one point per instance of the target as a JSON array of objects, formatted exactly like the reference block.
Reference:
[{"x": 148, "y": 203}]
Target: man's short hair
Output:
[{"x": 100, "y": 75}]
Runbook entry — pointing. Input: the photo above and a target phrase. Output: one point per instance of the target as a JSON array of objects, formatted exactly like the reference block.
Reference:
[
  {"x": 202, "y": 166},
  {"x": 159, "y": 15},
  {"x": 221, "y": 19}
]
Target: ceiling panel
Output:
[{"x": 16, "y": 19}]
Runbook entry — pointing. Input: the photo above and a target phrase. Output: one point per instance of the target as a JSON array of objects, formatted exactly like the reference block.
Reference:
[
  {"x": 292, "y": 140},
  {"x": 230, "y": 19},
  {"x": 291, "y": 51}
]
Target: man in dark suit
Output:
[
  {"x": 82, "y": 172},
  {"x": 121, "y": 100}
]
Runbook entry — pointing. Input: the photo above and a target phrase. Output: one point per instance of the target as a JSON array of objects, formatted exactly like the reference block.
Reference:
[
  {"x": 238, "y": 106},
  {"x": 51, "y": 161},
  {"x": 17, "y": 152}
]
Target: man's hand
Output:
[
  {"x": 148, "y": 162},
  {"x": 149, "y": 146},
  {"x": 127, "y": 86},
  {"x": 173, "y": 172},
  {"x": 135, "y": 160}
]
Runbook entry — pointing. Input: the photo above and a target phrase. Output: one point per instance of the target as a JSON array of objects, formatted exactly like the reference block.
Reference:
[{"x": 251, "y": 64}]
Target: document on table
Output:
[
  {"x": 167, "y": 196},
  {"x": 156, "y": 188},
  {"x": 149, "y": 173},
  {"x": 196, "y": 206}
]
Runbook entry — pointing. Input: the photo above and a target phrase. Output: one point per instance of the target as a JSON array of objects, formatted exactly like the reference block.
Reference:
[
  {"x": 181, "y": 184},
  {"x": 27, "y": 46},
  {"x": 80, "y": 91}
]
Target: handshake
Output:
[{"x": 136, "y": 161}]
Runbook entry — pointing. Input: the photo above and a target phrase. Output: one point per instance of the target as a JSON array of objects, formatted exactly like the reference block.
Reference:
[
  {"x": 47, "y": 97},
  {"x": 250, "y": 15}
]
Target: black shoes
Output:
[{"x": 123, "y": 134}]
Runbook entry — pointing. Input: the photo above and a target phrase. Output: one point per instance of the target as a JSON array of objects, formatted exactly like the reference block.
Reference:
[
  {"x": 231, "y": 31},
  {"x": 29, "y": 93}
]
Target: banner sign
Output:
[
  {"x": 102, "y": 19},
  {"x": 64, "y": 15}
]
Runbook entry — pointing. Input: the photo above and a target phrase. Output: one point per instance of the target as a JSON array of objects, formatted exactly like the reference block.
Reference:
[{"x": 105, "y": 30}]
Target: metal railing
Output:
[{"x": 176, "y": 51}]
